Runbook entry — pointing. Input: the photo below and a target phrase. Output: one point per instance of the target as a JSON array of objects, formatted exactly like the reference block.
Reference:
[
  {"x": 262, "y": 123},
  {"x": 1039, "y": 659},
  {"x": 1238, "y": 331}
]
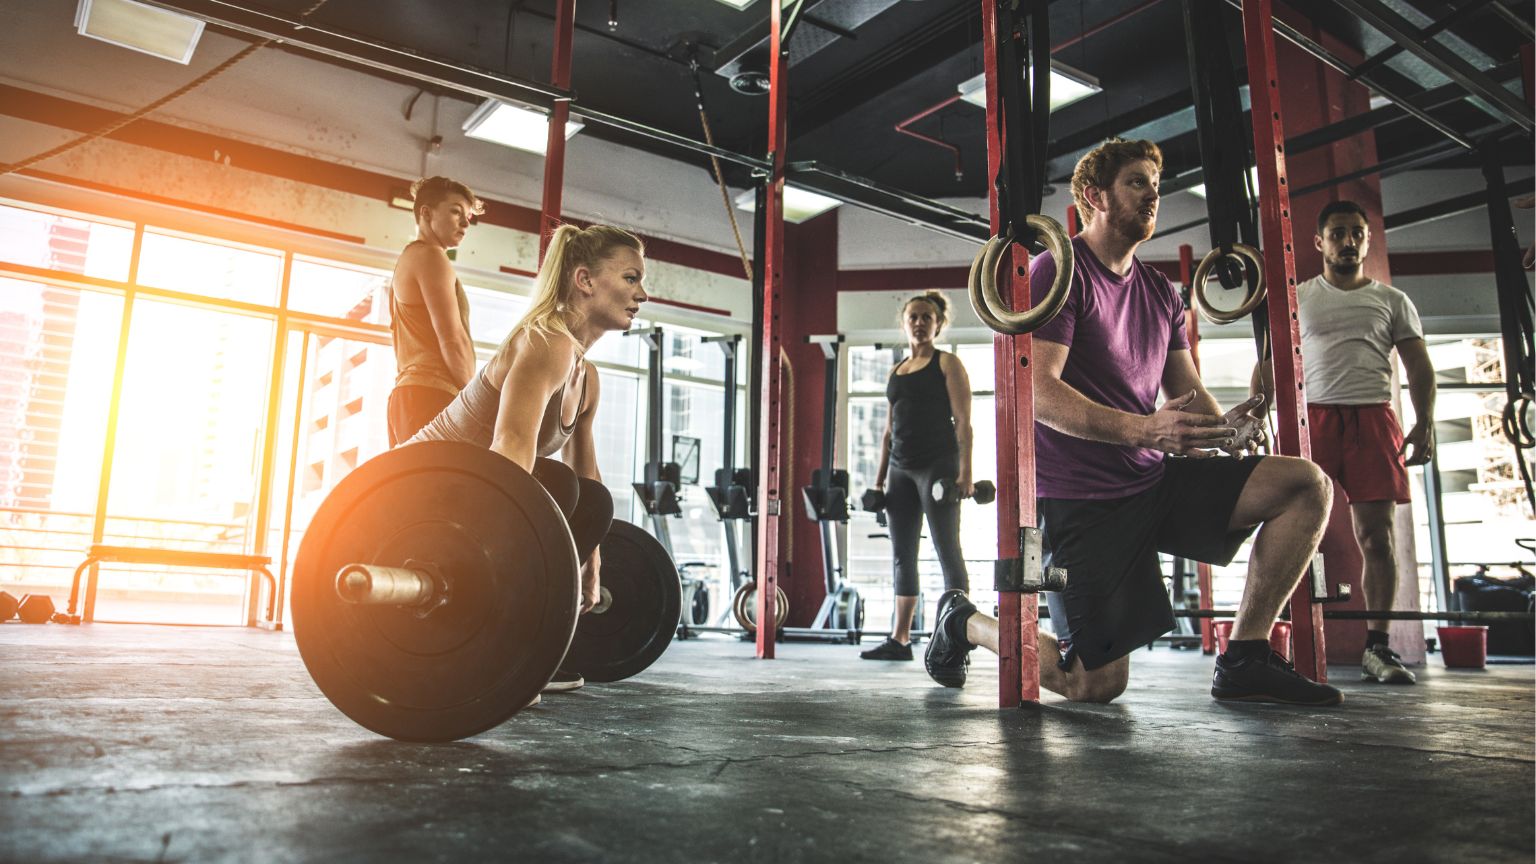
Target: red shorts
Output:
[{"x": 1361, "y": 447}]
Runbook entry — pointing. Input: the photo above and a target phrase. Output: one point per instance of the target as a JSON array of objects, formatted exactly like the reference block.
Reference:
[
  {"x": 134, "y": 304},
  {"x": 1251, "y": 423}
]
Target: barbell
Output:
[{"x": 436, "y": 592}]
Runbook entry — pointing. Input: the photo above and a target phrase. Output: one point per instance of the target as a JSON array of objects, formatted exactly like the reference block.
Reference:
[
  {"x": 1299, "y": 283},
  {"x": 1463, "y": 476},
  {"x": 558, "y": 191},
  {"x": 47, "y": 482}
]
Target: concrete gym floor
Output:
[{"x": 139, "y": 743}]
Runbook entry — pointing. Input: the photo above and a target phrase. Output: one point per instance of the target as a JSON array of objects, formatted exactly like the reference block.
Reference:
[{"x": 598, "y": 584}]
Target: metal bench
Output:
[{"x": 99, "y": 554}]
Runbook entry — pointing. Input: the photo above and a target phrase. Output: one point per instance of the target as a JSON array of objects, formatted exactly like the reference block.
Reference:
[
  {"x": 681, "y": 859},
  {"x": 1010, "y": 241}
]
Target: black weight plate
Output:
[
  {"x": 641, "y": 619},
  {"x": 495, "y": 535}
]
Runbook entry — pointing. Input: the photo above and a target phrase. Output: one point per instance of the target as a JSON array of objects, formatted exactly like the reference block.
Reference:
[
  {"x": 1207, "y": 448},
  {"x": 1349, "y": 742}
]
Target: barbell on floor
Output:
[{"x": 436, "y": 592}]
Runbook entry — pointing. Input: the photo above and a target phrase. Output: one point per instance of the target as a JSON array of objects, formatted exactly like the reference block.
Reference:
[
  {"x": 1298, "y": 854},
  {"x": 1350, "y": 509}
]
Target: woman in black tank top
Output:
[{"x": 925, "y": 462}]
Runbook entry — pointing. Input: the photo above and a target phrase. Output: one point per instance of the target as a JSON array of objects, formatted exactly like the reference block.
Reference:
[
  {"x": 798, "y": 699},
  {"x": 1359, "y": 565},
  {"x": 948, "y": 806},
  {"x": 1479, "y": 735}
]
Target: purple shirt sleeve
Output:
[
  {"x": 1178, "y": 333},
  {"x": 1042, "y": 271}
]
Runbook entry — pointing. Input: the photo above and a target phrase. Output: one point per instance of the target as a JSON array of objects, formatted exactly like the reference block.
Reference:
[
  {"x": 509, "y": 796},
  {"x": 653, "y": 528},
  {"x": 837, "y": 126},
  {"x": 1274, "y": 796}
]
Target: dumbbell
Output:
[
  {"x": 8, "y": 606},
  {"x": 984, "y": 492},
  {"x": 35, "y": 608}
]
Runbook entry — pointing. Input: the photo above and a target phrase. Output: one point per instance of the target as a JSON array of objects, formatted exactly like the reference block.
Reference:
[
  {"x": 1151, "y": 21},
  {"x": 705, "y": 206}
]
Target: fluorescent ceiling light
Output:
[
  {"x": 1068, "y": 85},
  {"x": 139, "y": 27},
  {"x": 799, "y": 204},
  {"x": 1253, "y": 178},
  {"x": 514, "y": 126}
]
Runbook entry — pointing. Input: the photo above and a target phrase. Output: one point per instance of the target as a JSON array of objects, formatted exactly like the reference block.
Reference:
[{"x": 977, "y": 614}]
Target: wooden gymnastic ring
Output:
[
  {"x": 1256, "y": 292},
  {"x": 982, "y": 283},
  {"x": 742, "y": 606}
]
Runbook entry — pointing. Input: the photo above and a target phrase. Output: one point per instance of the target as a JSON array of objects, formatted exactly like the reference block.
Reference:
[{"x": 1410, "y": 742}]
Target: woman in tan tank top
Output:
[
  {"x": 591, "y": 283},
  {"x": 429, "y": 312}
]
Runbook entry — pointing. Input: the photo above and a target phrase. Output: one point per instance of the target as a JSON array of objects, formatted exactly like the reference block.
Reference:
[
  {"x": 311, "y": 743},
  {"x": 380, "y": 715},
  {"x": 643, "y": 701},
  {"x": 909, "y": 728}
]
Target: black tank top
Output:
[{"x": 922, "y": 427}]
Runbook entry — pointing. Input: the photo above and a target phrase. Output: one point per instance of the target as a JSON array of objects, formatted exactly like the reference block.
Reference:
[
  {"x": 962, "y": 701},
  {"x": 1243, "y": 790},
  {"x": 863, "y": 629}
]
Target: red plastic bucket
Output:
[
  {"x": 1279, "y": 637},
  {"x": 1464, "y": 647}
]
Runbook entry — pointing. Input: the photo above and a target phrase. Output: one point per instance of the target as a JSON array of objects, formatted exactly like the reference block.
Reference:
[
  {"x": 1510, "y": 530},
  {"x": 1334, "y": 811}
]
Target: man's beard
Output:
[
  {"x": 1346, "y": 266},
  {"x": 1127, "y": 221}
]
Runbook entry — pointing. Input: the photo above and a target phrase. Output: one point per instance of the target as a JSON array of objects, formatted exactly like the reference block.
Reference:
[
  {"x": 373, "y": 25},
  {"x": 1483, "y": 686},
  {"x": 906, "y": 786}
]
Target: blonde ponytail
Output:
[{"x": 570, "y": 247}]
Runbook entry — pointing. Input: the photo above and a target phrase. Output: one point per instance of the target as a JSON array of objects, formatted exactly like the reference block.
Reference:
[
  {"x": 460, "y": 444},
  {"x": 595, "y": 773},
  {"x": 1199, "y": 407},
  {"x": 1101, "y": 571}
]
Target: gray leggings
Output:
[{"x": 908, "y": 498}]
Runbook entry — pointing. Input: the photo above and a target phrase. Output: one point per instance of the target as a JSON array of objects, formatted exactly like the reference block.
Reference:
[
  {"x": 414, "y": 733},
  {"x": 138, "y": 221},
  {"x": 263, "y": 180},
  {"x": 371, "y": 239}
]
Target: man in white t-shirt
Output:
[{"x": 1350, "y": 324}]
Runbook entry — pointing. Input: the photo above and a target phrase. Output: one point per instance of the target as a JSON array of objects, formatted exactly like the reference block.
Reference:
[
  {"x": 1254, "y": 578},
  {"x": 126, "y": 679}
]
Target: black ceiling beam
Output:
[
  {"x": 1514, "y": 19},
  {"x": 944, "y": 38},
  {"x": 1441, "y": 58},
  {"x": 383, "y": 58},
  {"x": 1311, "y": 46},
  {"x": 1420, "y": 158},
  {"x": 1426, "y": 100},
  {"x": 870, "y": 195},
  {"x": 1458, "y": 13},
  {"x": 409, "y": 64},
  {"x": 1452, "y": 206}
]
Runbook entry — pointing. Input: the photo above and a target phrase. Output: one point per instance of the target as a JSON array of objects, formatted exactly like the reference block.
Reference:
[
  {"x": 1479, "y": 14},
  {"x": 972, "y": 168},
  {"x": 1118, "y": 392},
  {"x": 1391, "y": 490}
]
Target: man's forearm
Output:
[
  {"x": 1263, "y": 381},
  {"x": 1421, "y": 392},
  {"x": 1060, "y": 406}
]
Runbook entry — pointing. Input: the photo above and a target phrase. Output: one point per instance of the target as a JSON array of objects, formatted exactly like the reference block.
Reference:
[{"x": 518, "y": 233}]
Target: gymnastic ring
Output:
[
  {"x": 746, "y": 615},
  {"x": 1256, "y": 292},
  {"x": 1517, "y": 429},
  {"x": 983, "y": 279}
]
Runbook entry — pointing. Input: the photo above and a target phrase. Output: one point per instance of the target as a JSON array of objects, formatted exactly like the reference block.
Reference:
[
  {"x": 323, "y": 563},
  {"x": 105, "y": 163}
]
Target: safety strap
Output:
[
  {"x": 1023, "y": 112},
  {"x": 1516, "y": 325},
  {"x": 1225, "y": 152}
]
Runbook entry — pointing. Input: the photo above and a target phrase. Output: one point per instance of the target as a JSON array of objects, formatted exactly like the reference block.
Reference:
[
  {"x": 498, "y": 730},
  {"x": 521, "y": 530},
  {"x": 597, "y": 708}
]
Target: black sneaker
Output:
[
  {"x": 1268, "y": 679},
  {"x": 890, "y": 649},
  {"x": 949, "y": 652}
]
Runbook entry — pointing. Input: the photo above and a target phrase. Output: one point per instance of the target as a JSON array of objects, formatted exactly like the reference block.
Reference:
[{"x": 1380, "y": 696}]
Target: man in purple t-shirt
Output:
[{"x": 1111, "y": 499}]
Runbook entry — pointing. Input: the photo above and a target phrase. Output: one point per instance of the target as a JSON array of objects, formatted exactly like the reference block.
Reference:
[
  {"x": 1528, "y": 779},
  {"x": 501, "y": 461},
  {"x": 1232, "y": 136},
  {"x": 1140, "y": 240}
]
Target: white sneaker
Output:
[
  {"x": 1381, "y": 663},
  {"x": 564, "y": 681}
]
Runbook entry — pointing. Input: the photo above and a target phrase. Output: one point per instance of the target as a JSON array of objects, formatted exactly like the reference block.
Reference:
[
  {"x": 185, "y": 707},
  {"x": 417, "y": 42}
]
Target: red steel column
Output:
[
  {"x": 1280, "y": 275},
  {"x": 770, "y": 499},
  {"x": 1018, "y": 614},
  {"x": 554, "y": 150},
  {"x": 1192, "y": 325}
]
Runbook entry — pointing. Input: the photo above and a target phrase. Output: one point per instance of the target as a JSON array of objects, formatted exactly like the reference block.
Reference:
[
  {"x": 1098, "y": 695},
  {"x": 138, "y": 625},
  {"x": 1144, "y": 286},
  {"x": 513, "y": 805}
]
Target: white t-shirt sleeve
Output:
[{"x": 1405, "y": 318}]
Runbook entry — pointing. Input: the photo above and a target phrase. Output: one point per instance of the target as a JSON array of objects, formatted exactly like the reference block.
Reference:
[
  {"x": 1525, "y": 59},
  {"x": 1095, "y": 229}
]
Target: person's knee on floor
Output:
[{"x": 1102, "y": 685}]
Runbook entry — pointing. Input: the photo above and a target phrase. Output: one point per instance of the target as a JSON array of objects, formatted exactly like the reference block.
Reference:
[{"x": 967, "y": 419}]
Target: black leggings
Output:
[
  {"x": 587, "y": 504},
  {"x": 908, "y": 498}
]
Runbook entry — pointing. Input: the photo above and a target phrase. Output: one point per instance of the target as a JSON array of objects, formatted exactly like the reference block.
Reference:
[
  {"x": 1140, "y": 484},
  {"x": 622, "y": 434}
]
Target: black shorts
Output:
[
  {"x": 1115, "y": 600},
  {"x": 411, "y": 407}
]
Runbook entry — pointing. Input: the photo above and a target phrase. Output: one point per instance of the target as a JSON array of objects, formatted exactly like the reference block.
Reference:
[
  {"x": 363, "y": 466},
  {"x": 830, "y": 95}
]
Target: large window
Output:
[{"x": 213, "y": 323}]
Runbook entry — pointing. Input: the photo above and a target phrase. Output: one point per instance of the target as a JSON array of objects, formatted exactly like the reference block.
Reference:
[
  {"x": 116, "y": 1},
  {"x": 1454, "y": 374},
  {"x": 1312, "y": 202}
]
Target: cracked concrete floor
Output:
[{"x": 136, "y": 743}]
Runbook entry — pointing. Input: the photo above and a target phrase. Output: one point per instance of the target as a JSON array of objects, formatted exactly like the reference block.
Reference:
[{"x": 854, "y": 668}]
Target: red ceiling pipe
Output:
[
  {"x": 902, "y": 128},
  {"x": 554, "y": 150}
]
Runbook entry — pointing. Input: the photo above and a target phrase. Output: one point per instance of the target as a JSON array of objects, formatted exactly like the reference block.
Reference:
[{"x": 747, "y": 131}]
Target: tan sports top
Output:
[
  {"x": 418, "y": 356},
  {"x": 471, "y": 417}
]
